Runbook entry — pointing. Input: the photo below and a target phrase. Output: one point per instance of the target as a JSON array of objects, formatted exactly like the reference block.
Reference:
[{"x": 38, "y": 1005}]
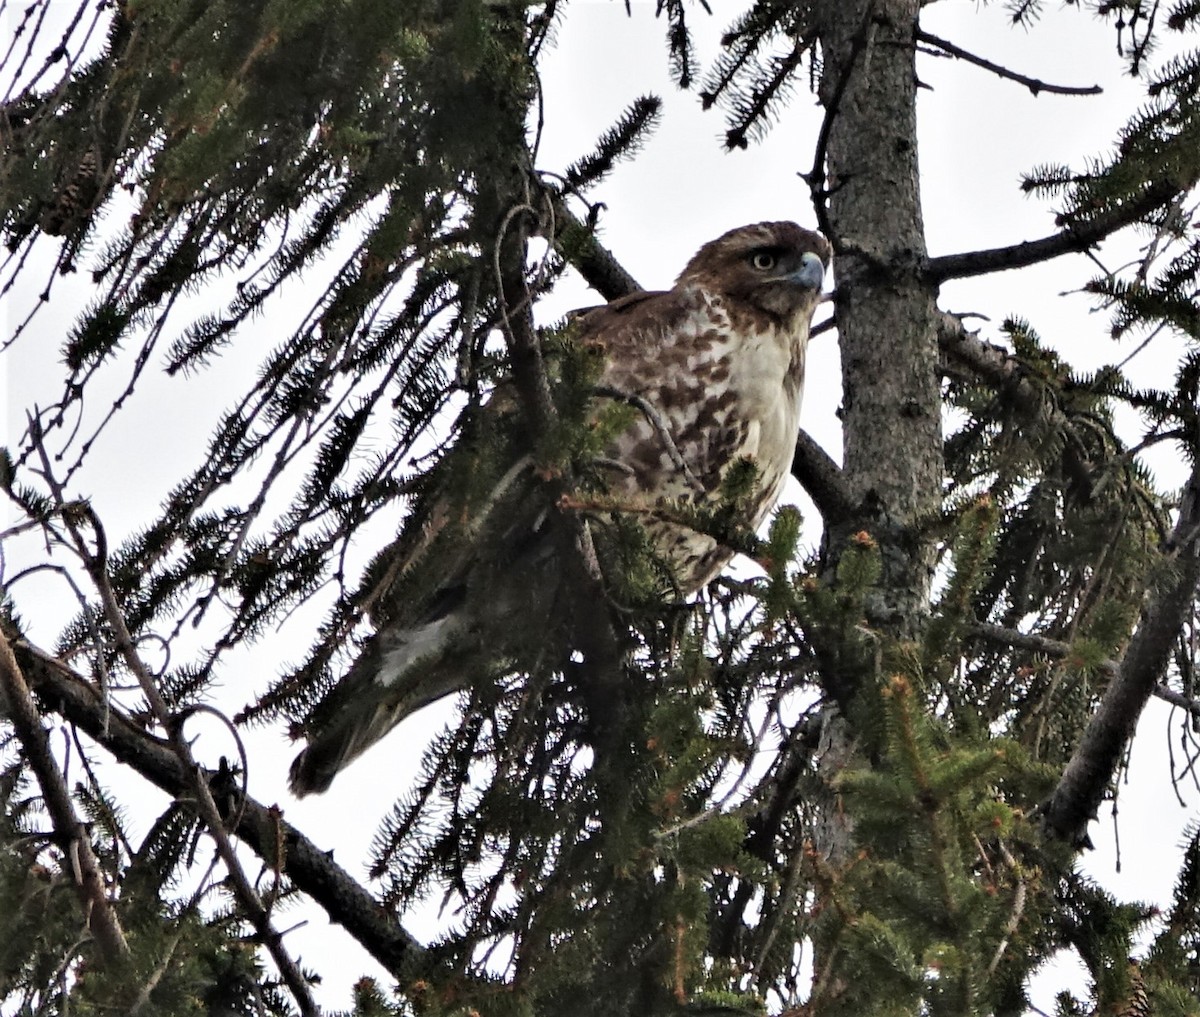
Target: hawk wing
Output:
[{"x": 451, "y": 599}]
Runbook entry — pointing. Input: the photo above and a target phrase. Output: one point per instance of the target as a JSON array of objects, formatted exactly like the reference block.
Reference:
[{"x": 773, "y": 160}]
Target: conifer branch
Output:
[
  {"x": 1070, "y": 240},
  {"x": 577, "y": 242},
  {"x": 1056, "y": 649},
  {"x": 1076, "y": 799},
  {"x": 998, "y": 368},
  {"x": 70, "y": 833},
  {"x": 821, "y": 478},
  {"x": 262, "y": 828},
  {"x": 621, "y": 141},
  {"x": 512, "y": 185},
  {"x": 1034, "y": 85}
]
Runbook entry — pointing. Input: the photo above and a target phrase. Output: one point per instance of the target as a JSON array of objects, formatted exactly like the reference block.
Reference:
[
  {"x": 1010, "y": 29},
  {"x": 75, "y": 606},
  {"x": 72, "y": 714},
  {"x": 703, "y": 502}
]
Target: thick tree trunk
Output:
[
  {"x": 886, "y": 313},
  {"x": 887, "y": 332}
]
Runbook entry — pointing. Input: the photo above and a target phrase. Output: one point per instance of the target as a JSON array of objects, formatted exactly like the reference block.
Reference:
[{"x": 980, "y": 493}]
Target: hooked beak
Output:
[{"x": 811, "y": 273}]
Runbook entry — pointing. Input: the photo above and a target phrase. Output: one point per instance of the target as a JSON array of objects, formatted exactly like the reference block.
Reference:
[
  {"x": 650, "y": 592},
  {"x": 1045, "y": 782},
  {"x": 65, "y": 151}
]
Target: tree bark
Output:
[
  {"x": 886, "y": 311},
  {"x": 868, "y": 201}
]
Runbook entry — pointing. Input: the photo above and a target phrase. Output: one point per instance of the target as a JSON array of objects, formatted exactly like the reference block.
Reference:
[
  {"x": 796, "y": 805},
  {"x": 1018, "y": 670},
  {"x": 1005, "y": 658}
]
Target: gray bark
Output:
[
  {"x": 886, "y": 312},
  {"x": 887, "y": 333}
]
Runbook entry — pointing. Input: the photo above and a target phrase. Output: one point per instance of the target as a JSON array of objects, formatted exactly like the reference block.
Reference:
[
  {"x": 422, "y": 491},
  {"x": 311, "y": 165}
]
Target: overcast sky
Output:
[{"x": 977, "y": 135}]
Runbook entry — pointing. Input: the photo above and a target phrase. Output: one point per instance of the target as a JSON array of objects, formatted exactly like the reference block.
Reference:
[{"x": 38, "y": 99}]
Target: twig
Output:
[
  {"x": 155, "y": 976},
  {"x": 69, "y": 831},
  {"x": 1018, "y": 909},
  {"x": 1033, "y": 84},
  {"x": 525, "y": 352},
  {"x": 656, "y": 421},
  {"x": 815, "y": 178}
]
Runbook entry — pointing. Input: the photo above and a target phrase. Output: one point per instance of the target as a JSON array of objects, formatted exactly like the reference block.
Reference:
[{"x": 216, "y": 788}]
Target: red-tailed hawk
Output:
[{"x": 713, "y": 371}]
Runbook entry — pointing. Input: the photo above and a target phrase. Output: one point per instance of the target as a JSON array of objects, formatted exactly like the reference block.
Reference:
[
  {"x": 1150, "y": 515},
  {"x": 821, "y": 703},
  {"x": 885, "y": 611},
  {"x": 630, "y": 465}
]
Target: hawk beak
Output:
[{"x": 811, "y": 273}]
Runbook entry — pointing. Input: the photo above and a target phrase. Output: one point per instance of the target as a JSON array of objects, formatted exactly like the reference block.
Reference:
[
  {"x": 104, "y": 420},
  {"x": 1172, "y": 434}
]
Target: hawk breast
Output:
[{"x": 726, "y": 389}]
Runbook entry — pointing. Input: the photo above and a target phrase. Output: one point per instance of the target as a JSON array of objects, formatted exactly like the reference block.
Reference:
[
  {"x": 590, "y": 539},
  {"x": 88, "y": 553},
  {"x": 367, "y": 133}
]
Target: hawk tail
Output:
[
  {"x": 337, "y": 746},
  {"x": 398, "y": 674}
]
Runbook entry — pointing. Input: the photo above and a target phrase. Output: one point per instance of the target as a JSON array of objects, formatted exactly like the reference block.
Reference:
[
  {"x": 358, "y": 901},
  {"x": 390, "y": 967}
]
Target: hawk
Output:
[{"x": 710, "y": 374}]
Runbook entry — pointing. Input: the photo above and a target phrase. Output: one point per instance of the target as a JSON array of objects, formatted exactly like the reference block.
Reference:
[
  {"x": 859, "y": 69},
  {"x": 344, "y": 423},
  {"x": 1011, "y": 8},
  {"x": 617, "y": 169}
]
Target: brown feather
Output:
[{"x": 714, "y": 368}]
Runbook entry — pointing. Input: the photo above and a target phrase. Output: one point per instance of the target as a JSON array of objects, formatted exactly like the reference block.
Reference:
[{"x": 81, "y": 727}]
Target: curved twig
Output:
[
  {"x": 1033, "y": 84},
  {"x": 656, "y": 421}
]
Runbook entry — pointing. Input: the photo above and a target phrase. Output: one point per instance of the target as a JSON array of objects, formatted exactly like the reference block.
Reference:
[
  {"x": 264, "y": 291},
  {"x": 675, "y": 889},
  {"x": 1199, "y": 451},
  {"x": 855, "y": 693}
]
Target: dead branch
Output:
[
  {"x": 1034, "y": 85},
  {"x": 1070, "y": 240},
  {"x": 70, "y": 833},
  {"x": 577, "y": 242},
  {"x": 1056, "y": 649},
  {"x": 655, "y": 419}
]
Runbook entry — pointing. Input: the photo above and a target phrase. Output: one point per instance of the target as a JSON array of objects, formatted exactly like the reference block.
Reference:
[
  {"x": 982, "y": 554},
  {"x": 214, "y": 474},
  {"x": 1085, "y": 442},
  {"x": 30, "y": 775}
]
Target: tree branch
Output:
[
  {"x": 822, "y": 478},
  {"x": 262, "y": 828},
  {"x": 1056, "y": 649},
  {"x": 1033, "y": 84},
  {"x": 577, "y": 242},
  {"x": 1076, "y": 799},
  {"x": 70, "y": 833},
  {"x": 1007, "y": 375},
  {"x": 1070, "y": 240}
]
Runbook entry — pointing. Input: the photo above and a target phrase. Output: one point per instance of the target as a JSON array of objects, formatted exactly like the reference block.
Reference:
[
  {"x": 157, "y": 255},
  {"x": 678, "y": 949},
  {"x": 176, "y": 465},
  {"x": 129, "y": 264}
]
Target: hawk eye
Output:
[{"x": 764, "y": 261}]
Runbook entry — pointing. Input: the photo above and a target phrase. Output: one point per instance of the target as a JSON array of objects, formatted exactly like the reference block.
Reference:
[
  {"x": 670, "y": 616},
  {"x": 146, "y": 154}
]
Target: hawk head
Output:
[{"x": 773, "y": 267}]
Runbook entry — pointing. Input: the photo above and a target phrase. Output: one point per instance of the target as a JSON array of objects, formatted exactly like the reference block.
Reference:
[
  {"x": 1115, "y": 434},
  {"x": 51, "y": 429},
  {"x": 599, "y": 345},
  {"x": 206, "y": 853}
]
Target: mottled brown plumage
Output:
[{"x": 714, "y": 368}]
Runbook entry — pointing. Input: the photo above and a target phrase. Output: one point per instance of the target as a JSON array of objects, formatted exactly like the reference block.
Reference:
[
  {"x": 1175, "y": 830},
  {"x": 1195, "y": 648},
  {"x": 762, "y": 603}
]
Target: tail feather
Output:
[
  {"x": 397, "y": 675},
  {"x": 478, "y": 620}
]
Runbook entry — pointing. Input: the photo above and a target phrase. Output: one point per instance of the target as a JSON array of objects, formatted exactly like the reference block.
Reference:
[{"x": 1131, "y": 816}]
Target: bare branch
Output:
[
  {"x": 1070, "y": 240},
  {"x": 1033, "y": 84},
  {"x": 822, "y": 478},
  {"x": 524, "y": 349},
  {"x": 815, "y": 178},
  {"x": 262, "y": 828},
  {"x": 69, "y": 832},
  {"x": 1081, "y": 788},
  {"x": 577, "y": 242},
  {"x": 1056, "y": 649},
  {"x": 1177, "y": 699}
]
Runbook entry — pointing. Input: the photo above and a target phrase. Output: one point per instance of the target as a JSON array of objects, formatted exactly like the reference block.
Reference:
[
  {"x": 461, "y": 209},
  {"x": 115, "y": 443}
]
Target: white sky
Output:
[{"x": 977, "y": 135}]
